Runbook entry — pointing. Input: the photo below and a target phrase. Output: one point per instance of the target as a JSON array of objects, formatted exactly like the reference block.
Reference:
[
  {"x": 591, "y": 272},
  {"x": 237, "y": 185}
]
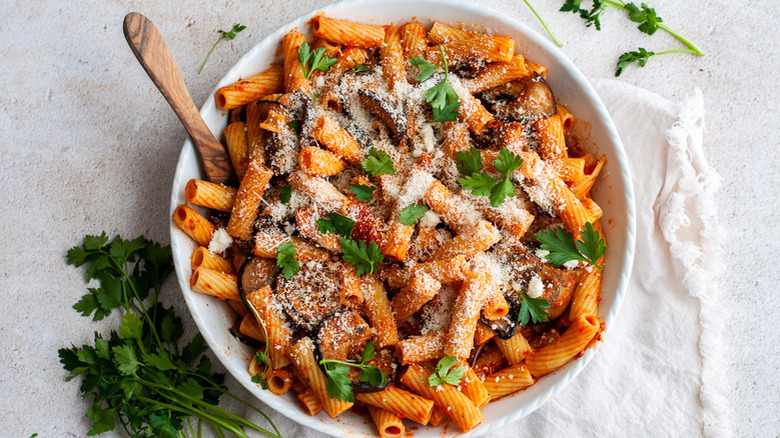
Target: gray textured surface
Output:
[{"x": 87, "y": 144}]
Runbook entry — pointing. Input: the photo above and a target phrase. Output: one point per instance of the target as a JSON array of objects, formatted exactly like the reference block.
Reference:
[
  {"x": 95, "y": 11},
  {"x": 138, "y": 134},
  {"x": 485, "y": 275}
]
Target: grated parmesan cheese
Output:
[
  {"x": 535, "y": 287},
  {"x": 220, "y": 241}
]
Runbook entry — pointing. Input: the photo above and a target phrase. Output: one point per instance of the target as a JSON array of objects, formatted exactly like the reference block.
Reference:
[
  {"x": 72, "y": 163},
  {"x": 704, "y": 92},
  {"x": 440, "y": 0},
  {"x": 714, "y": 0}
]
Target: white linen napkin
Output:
[{"x": 660, "y": 371}]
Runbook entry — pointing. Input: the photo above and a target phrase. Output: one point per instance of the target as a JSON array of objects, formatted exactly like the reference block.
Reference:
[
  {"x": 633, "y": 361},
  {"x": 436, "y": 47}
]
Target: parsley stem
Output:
[
  {"x": 209, "y": 406},
  {"x": 138, "y": 298},
  {"x": 549, "y": 32},
  {"x": 235, "y": 429},
  {"x": 695, "y": 50},
  {"x": 676, "y": 51},
  {"x": 210, "y": 52}
]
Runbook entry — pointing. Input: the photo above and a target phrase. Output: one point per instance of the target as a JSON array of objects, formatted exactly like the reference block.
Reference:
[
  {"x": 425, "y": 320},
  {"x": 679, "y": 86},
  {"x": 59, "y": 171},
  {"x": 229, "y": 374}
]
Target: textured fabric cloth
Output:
[{"x": 657, "y": 374}]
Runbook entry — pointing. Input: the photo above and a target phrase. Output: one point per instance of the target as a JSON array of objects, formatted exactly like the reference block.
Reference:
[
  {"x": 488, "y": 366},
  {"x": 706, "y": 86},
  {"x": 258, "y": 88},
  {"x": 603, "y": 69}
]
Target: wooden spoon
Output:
[{"x": 149, "y": 47}]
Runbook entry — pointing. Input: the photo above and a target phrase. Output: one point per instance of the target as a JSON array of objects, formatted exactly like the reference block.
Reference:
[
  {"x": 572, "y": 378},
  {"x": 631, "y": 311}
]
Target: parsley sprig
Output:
[
  {"x": 411, "y": 214},
  {"x": 649, "y": 23},
  {"x": 340, "y": 385},
  {"x": 442, "y": 97},
  {"x": 533, "y": 310},
  {"x": 231, "y": 34},
  {"x": 445, "y": 373},
  {"x": 564, "y": 248},
  {"x": 365, "y": 257},
  {"x": 141, "y": 376},
  {"x": 285, "y": 259},
  {"x": 362, "y": 192},
  {"x": 378, "y": 163},
  {"x": 481, "y": 183},
  {"x": 336, "y": 223},
  {"x": 316, "y": 60}
]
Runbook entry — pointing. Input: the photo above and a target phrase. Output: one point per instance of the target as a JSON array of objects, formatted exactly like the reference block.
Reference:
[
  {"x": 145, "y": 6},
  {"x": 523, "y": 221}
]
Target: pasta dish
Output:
[{"x": 410, "y": 232}]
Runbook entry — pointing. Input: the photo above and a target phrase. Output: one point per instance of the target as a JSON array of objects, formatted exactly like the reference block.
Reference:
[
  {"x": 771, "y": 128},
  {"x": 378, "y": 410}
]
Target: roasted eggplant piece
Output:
[
  {"x": 310, "y": 296},
  {"x": 536, "y": 102},
  {"x": 506, "y": 327},
  {"x": 380, "y": 108},
  {"x": 244, "y": 339},
  {"x": 253, "y": 274}
]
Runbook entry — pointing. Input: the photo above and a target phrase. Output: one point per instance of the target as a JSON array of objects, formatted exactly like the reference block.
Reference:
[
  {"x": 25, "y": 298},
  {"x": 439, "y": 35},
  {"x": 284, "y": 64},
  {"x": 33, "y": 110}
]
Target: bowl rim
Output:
[{"x": 572, "y": 368}]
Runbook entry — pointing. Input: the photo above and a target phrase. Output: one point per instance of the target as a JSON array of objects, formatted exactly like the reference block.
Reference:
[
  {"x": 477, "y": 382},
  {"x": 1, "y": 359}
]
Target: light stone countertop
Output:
[{"x": 88, "y": 144}]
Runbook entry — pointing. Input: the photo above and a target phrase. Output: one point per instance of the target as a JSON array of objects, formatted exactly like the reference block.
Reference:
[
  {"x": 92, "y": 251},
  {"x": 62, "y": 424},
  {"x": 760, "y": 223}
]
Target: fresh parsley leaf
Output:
[
  {"x": 364, "y": 257},
  {"x": 445, "y": 373},
  {"x": 131, "y": 327},
  {"x": 442, "y": 97},
  {"x": 285, "y": 193},
  {"x": 571, "y": 6},
  {"x": 372, "y": 375},
  {"x": 125, "y": 358},
  {"x": 469, "y": 162},
  {"x": 285, "y": 259},
  {"x": 238, "y": 27},
  {"x": 360, "y": 67},
  {"x": 591, "y": 245},
  {"x": 336, "y": 223},
  {"x": 564, "y": 248},
  {"x": 480, "y": 184},
  {"x": 640, "y": 56},
  {"x": 447, "y": 114},
  {"x": 500, "y": 191},
  {"x": 362, "y": 192},
  {"x": 339, "y": 385},
  {"x": 507, "y": 162},
  {"x": 378, "y": 163},
  {"x": 314, "y": 97},
  {"x": 368, "y": 352},
  {"x": 592, "y": 17},
  {"x": 646, "y": 16},
  {"x": 411, "y": 214},
  {"x": 532, "y": 310},
  {"x": 426, "y": 68},
  {"x": 316, "y": 60},
  {"x": 296, "y": 126},
  {"x": 261, "y": 358}
]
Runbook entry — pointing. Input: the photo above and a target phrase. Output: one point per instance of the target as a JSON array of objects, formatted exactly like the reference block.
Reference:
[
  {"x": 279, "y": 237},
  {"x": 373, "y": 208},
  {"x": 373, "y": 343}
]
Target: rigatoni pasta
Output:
[{"x": 383, "y": 244}]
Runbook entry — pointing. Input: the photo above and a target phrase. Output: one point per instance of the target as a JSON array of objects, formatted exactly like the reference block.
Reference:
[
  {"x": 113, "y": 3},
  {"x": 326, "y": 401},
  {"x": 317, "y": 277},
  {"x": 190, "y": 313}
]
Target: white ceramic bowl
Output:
[{"x": 613, "y": 193}]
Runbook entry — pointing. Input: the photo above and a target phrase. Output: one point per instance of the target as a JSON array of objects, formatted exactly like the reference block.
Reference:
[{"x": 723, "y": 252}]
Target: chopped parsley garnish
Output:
[
  {"x": 285, "y": 193},
  {"x": 364, "y": 257},
  {"x": 378, "y": 163},
  {"x": 339, "y": 384},
  {"x": 296, "y": 126},
  {"x": 285, "y": 259},
  {"x": 564, "y": 248},
  {"x": 362, "y": 192},
  {"x": 411, "y": 214},
  {"x": 445, "y": 373},
  {"x": 336, "y": 223},
  {"x": 360, "y": 67},
  {"x": 532, "y": 310},
  {"x": 316, "y": 60},
  {"x": 481, "y": 183},
  {"x": 442, "y": 97}
]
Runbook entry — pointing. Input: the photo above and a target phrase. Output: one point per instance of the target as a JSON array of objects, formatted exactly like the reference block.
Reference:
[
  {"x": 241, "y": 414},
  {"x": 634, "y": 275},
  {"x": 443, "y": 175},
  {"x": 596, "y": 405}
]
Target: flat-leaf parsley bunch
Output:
[{"x": 141, "y": 375}]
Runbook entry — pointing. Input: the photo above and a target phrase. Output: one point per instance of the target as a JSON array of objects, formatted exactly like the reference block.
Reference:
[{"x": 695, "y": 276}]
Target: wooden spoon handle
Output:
[{"x": 149, "y": 47}]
